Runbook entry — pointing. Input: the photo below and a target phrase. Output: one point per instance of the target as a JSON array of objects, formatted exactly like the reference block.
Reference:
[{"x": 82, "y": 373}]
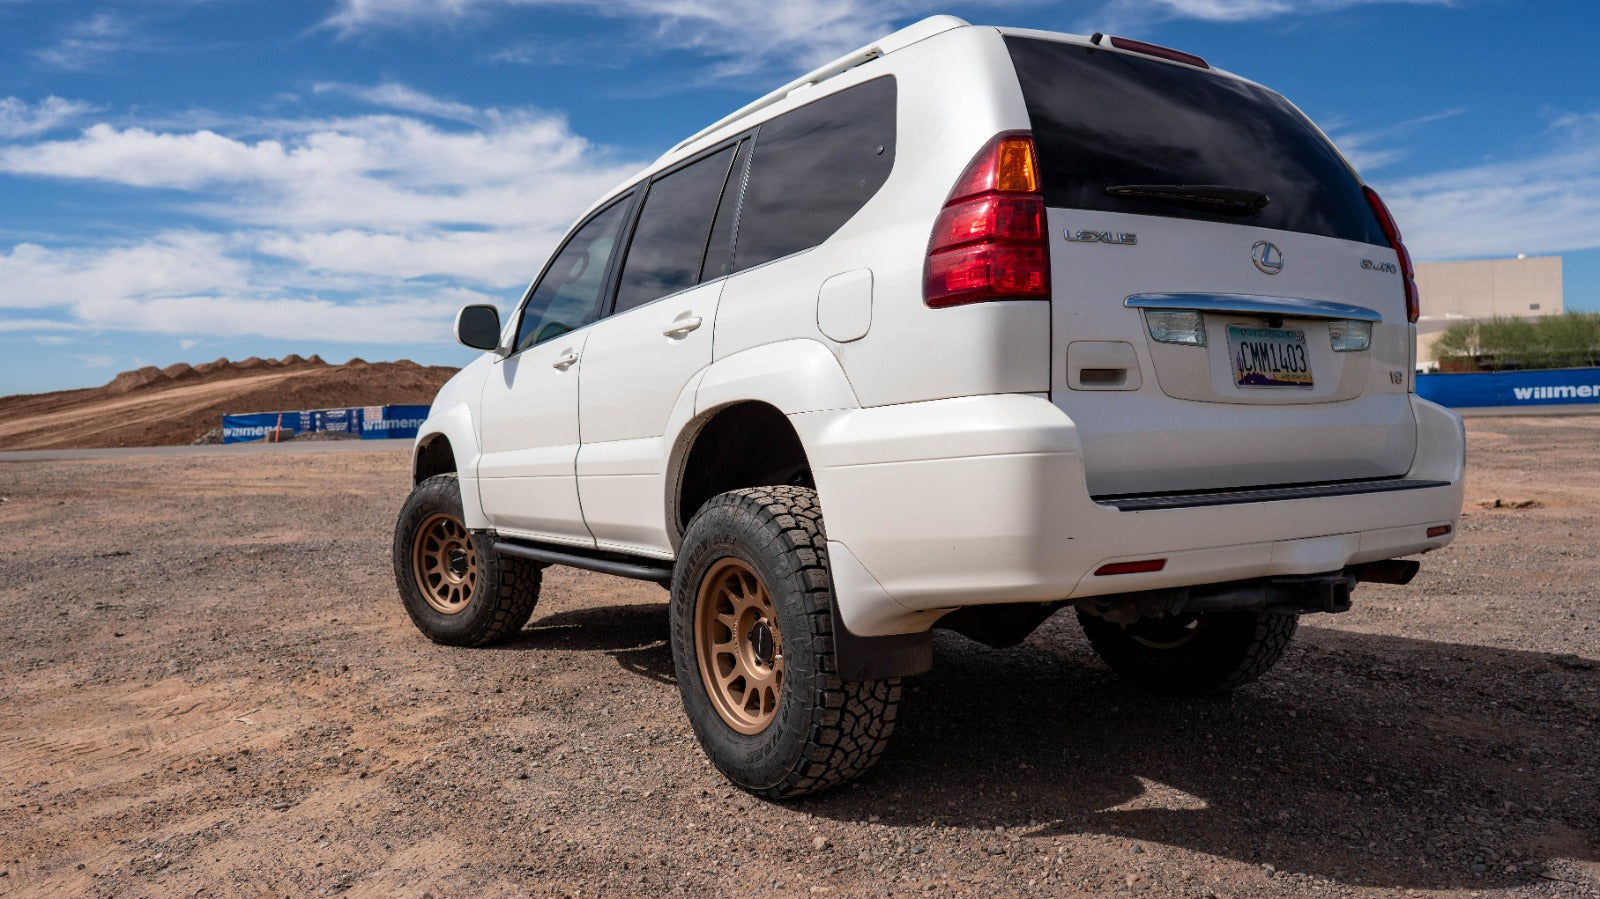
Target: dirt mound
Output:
[
  {"x": 129, "y": 381},
  {"x": 175, "y": 405}
]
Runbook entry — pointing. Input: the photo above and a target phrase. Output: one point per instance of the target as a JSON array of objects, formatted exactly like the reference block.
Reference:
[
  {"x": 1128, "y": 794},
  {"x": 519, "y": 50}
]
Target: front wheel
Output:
[
  {"x": 752, "y": 644},
  {"x": 456, "y": 588},
  {"x": 1188, "y": 655}
]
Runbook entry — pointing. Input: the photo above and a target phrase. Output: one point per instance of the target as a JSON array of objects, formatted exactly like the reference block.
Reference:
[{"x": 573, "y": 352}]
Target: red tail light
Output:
[
  {"x": 1391, "y": 231},
  {"x": 989, "y": 242}
]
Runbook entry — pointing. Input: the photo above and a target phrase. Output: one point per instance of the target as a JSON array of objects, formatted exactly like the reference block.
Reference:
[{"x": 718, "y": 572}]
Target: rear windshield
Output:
[{"x": 1106, "y": 119}]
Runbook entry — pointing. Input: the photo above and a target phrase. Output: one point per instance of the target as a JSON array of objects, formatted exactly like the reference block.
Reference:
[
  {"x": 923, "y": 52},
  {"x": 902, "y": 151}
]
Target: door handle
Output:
[
  {"x": 565, "y": 360},
  {"x": 682, "y": 326}
]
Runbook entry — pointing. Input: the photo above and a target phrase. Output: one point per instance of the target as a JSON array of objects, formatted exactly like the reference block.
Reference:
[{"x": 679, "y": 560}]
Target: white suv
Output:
[{"x": 967, "y": 326}]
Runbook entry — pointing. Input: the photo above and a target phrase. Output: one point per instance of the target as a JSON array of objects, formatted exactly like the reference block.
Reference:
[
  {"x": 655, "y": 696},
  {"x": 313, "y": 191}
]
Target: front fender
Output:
[{"x": 452, "y": 418}]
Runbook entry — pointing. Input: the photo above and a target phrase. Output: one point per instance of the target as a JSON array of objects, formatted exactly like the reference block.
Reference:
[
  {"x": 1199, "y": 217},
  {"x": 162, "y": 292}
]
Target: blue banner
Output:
[
  {"x": 1511, "y": 389},
  {"x": 259, "y": 426},
  {"x": 370, "y": 422},
  {"x": 392, "y": 421}
]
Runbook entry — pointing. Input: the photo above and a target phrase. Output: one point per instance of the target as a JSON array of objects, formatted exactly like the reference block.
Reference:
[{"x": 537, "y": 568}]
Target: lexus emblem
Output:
[{"x": 1267, "y": 257}]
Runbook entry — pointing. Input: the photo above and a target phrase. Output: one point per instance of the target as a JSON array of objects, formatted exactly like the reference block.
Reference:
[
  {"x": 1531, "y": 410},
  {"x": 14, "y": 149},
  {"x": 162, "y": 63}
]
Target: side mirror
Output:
[{"x": 478, "y": 326}]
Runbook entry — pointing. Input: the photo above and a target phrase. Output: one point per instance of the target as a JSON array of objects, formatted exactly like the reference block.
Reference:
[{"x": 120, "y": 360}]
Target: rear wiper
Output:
[{"x": 1214, "y": 197}]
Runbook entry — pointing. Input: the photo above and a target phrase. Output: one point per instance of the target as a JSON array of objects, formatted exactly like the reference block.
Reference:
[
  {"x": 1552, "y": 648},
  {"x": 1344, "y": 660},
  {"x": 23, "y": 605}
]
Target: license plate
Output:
[{"x": 1269, "y": 357}]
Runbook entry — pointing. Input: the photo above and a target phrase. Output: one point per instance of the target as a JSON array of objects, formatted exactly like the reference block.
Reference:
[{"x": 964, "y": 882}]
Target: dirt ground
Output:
[{"x": 210, "y": 688}]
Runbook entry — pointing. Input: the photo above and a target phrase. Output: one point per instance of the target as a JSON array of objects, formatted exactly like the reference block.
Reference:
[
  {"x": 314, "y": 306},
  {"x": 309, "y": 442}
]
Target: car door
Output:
[
  {"x": 640, "y": 359},
  {"x": 529, "y": 415}
]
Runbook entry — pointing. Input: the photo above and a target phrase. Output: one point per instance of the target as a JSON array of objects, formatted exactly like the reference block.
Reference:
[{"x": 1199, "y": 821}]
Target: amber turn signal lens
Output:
[{"x": 1018, "y": 169}]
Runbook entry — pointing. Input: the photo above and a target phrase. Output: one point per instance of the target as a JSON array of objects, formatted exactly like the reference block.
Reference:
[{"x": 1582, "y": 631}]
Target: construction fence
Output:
[{"x": 366, "y": 422}]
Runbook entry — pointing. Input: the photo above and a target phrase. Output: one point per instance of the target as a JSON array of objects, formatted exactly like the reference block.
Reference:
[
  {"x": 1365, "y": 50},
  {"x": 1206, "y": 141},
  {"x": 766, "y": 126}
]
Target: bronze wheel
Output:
[
  {"x": 444, "y": 563},
  {"x": 753, "y": 648},
  {"x": 739, "y": 646},
  {"x": 456, "y": 588}
]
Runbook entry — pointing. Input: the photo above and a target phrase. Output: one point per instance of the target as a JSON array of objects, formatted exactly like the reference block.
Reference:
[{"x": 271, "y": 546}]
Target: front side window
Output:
[
  {"x": 813, "y": 169},
  {"x": 567, "y": 297},
  {"x": 669, "y": 243}
]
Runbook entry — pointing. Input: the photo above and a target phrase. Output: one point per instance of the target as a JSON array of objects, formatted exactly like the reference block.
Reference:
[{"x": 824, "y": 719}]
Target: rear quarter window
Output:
[
  {"x": 814, "y": 168},
  {"x": 1103, "y": 118}
]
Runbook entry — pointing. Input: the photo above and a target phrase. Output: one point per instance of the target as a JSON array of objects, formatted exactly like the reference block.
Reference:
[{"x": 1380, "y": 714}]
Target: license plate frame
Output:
[{"x": 1269, "y": 358}]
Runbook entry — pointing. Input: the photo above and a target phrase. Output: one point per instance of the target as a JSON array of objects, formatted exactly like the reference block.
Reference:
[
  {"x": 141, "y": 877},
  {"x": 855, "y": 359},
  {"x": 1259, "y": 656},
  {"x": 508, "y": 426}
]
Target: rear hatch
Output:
[{"x": 1215, "y": 272}]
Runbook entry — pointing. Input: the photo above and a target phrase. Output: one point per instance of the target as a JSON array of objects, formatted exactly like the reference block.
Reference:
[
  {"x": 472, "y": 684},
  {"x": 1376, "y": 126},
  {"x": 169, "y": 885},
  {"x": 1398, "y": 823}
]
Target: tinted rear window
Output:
[
  {"x": 1104, "y": 119},
  {"x": 814, "y": 168}
]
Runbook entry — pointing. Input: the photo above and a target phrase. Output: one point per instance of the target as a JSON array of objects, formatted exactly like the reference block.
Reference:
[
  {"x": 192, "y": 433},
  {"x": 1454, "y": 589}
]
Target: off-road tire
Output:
[
  {"x": 823, "y": 731},
  {"x": 1223, "y": 651},
  {"x": 504, "y": 589}
]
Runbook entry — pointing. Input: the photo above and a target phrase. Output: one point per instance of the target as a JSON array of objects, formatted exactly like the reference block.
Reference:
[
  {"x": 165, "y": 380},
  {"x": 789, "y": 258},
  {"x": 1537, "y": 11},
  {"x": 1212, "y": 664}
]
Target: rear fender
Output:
[{"x": 793, "y": 376}]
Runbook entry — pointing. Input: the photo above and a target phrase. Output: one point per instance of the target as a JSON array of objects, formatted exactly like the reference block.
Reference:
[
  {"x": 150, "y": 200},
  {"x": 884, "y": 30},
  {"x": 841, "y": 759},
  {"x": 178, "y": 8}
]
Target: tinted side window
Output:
[
  {"x": 568, "y": 296},
  {"x": 1104, "y": 119},
  {"x": 669, "y": 243},
  {"x": 719, "y": 249},
  {"x": 814, "y": 168}
]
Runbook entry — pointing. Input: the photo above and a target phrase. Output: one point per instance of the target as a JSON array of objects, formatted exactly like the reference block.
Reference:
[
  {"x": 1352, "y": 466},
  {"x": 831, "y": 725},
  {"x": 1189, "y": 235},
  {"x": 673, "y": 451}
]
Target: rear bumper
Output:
[{"x": 977, "y": 500}]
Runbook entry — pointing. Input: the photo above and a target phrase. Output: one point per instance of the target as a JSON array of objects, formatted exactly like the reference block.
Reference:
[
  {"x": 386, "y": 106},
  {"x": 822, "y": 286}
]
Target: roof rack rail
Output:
[{"x": 905, "y": 37}]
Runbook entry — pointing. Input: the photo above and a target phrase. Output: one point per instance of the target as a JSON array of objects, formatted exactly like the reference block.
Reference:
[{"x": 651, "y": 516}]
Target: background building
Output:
[{"x": 1524, "y": 287}]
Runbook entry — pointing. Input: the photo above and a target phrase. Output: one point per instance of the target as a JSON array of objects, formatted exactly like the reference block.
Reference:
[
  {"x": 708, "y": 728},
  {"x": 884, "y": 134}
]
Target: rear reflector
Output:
[
  {"x": 1160, "y": 52},
  {"x": 989, "y": 241},
  {"x": 1143, "y": 566},
  {"x": 1438, "y": 530}
]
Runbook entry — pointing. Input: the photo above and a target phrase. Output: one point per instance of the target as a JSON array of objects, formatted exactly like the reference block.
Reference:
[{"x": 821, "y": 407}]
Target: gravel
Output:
[{"x": 211, "y": 687}]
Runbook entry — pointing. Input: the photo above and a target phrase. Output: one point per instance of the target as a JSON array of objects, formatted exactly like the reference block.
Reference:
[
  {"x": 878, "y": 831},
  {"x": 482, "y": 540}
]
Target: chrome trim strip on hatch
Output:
[{"x": 1290, "y": 307}]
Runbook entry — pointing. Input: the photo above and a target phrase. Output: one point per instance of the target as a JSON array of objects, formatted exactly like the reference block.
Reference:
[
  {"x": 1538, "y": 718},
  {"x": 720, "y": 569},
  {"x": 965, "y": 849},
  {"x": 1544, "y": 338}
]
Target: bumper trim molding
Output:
[{"x": 1154, "y": 501}]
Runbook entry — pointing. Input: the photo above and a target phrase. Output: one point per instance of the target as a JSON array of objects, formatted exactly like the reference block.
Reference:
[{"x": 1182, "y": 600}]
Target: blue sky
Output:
[{"x": 187, "y": 179}]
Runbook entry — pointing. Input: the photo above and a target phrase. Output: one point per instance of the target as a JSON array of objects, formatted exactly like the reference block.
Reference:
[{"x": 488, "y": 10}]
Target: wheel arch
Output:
[
  {"x": 448, "y": 442},
  {"x": 741, "y": 400},
  {"x": 745, "y": 443},
  {"x": 432, "y": 455}
]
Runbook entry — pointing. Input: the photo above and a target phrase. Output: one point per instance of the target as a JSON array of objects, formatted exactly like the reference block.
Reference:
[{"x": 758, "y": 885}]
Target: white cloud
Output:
[
  {"x": 747, "y": 34},
  {"x": 1544, "y": 202},
  {"x": 500, "y": 257},
  {"x": 37, "y": 324},
  {"x": 90, "y": 43},
  {"x": 1369, "y": 149},
  {"x": 392, "y": 95},
  {"x": 372, "y": 227},
  {"x": 19, "y": 119},
  {"x": 373, "y": 171},
  {"x": 388, "y": 320},
  {"x": 1236, "y": 10},
  {"x": 754, "y": 35},
  {"x": 37, "y": 277}
]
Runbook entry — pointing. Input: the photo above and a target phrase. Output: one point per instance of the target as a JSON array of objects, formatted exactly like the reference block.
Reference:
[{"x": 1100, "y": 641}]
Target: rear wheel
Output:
[
  {"x": 455, "y": 587},
  {"x": 1188, "y": 655},
  {"x": 752, "y": 643}
]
